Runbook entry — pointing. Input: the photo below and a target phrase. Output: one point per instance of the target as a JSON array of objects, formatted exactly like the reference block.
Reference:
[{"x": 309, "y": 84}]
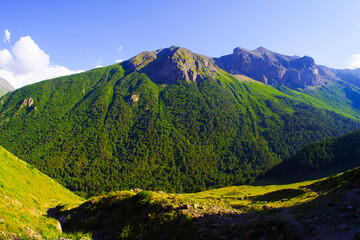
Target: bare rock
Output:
[
  {"x": 28, "y": 102},
  {"x": 272, "y": 68},
  {"x": 134, "y": 98},
  {"x": 172, "y": 64}
]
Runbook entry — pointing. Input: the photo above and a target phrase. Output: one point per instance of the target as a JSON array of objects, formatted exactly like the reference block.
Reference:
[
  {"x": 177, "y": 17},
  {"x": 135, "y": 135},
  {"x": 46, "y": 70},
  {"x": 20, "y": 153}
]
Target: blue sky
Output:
[{"x": 63, "y": 36}]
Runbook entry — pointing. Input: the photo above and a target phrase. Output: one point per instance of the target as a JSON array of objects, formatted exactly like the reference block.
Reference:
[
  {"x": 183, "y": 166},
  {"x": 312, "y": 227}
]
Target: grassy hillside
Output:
[
  {"x": 338, "y": 96},
  {"x": 25, "y": 195},
  {"x": 116, "y": 128},
  {"x": 305, "y": 210}
]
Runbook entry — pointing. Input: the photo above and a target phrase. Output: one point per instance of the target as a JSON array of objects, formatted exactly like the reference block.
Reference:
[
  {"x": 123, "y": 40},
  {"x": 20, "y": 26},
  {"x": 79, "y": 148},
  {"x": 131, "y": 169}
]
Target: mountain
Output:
[
  {"x": 333, "y": 89},
  {"x": 321, "y": 158},
  {"x": 25, "y": 196},
  {"x": 272, "y": 68},
  {"x": 5, "y": 87},
  {"x": 169, "y": 119},
  {"x": 346, "y": 75}
]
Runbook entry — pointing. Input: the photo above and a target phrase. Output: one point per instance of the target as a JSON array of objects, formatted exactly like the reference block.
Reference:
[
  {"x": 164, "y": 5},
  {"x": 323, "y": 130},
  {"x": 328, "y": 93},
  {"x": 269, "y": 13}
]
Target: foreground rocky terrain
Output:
[{"x": 320, "y": 209}]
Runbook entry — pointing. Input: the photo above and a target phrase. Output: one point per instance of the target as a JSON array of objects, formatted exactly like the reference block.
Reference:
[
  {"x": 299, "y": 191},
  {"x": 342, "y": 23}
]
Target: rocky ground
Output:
[{"x": 326, "y": 209}]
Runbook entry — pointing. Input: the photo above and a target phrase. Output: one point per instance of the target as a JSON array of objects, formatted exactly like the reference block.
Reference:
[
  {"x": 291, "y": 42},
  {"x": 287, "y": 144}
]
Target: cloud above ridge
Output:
[
  {"x": 354, "y": 62},
  {"x": 26, "y": 63}
]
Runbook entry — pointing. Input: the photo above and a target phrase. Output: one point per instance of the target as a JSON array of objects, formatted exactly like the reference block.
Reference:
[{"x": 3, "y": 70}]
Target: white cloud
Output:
[
  {"x": 98, "y": 64},
  {"x": 120, "y": 48},
  {"x": 27, "y": 64},
  {"x": 354, "y": 62},
  {"x": 6, "y": 36},
  {"x": 118, "y": 60}
]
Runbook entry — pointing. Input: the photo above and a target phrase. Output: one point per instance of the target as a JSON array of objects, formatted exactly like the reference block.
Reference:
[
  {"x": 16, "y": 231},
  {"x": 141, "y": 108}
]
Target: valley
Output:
[
  {"x": 171, "y": 144},
  {"x": 167, "y": 120}
]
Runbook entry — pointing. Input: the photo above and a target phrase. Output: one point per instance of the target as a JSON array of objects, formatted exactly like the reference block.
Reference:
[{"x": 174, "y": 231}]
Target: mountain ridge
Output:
[{"x": 272, "y": 68}]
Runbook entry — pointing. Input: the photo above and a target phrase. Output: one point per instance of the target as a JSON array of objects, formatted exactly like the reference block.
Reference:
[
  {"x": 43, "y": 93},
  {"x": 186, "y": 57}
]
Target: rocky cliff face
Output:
[
  {"x": 172, "y": 64},
  {"x": 272, "y": 68}
]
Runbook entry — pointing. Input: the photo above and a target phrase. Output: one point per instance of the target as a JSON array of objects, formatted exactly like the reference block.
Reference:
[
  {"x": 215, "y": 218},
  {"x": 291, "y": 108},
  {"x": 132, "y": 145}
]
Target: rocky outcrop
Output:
[
  {"x": 172, "y": 64},
  {"x": 272, "y": 68},
  {"x": 28, "y": 102}
]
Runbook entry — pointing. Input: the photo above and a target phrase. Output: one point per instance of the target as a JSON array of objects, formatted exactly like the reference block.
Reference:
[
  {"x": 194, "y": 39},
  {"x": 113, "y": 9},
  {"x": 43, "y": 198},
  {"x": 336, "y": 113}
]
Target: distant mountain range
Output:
[
  {"x": 5, "y": 87},
  {"x": 175, "y": 120}
]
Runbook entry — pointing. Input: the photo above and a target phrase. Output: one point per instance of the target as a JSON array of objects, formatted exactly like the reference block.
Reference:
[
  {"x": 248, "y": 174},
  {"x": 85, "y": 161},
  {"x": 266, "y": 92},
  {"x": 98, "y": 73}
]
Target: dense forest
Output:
[
  {"x": 115, "y": 128},
  {"x": 322, "y": 158}
]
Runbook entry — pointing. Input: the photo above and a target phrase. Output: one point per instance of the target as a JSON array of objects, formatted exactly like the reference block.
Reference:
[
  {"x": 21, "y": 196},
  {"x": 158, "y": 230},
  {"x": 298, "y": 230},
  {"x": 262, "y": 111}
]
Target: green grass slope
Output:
[
  {"x": 121, "y": 127},
  {"x": 317, "y": 209},
  {"x": 25, "y": 195},
  {"x": 337, "y": 96}
]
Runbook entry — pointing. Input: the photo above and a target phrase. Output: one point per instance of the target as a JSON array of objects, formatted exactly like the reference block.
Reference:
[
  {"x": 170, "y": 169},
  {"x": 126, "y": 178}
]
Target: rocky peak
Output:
[
  {"x": 272, "y": 68},
  {"x": 172, "y": 64}
]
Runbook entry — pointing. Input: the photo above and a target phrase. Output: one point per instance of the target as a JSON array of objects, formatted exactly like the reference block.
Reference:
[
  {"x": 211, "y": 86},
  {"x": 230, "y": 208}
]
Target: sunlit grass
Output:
[{"x": 25, "y": 195}]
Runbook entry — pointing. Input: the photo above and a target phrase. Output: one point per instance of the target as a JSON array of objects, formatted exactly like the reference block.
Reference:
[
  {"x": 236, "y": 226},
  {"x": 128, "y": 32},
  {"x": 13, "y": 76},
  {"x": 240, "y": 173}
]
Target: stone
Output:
[{"x": 134, "y": 98}]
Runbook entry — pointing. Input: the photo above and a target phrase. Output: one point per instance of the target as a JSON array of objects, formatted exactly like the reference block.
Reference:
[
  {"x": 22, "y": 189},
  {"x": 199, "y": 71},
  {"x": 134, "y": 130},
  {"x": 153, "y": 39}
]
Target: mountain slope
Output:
[
  {"x": 5, "y": 87},
  {"x": 321, "y": 158},
  {"x": 168, "y": 119},
  {"x": 25, "y": 194}
]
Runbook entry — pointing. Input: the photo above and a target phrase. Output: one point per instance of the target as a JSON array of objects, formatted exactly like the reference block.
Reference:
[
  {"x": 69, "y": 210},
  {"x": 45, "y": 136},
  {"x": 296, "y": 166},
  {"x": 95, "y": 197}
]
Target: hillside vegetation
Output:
[
  {"x": 304, "y": 210},
  {"x": 184, "y": 128},
  {"x": 25, "y": 195},
  {"x": 321, "y": 158}
]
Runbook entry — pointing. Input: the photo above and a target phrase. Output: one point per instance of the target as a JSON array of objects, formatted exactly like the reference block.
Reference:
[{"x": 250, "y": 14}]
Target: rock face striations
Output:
[
  {"x": 272, "y": 68},
  {"x": 172, "y": 64}
]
